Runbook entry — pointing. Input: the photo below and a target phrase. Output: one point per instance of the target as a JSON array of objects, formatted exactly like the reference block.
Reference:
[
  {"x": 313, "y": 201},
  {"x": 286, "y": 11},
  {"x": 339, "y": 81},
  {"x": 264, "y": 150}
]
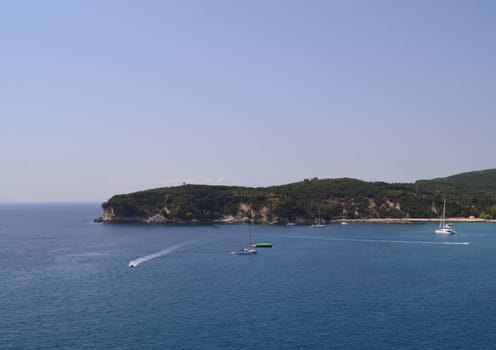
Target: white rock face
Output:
[
  {"x": 157, "y": 219},
  {"x": 108, "y": 214}
]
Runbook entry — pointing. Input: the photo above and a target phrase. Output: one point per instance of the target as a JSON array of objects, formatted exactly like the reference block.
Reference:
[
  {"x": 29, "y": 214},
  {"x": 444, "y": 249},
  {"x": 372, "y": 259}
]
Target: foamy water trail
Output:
[
  {"x": 163, "y": 252},
  {"x": 385, "y": 241},
  {"x": 401, "y": 242}
]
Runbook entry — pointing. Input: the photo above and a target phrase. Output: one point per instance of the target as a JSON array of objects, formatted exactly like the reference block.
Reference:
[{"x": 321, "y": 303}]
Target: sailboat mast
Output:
[
  {"x": 249, "y": 233},
  {"x": 443, "y": 218}
]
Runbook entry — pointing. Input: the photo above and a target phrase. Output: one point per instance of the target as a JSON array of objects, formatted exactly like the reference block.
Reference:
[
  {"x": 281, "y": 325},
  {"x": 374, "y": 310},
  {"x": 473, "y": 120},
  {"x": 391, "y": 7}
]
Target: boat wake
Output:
[
  {"x": 163, "y": 252},
  {"x": 400, "y": 242},
  {"x": 385, "y": 241}
]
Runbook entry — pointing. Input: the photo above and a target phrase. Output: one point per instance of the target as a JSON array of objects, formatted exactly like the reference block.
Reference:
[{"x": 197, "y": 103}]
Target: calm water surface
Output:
[{"x": 65, "y": 283}]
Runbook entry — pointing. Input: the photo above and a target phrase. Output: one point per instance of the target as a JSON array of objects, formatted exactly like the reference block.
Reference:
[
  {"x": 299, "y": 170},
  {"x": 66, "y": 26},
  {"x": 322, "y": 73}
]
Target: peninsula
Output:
[{"x": 469, "y": 195}]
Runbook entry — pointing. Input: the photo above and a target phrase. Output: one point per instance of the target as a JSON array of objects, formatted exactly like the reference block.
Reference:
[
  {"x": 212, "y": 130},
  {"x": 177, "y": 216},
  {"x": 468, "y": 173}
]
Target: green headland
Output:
[{"x": 471, "y": 194}]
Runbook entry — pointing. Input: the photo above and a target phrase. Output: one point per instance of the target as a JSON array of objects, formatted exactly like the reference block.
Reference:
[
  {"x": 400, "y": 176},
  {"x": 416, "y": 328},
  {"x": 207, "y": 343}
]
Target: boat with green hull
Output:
[{"x": 262, "y": 245}]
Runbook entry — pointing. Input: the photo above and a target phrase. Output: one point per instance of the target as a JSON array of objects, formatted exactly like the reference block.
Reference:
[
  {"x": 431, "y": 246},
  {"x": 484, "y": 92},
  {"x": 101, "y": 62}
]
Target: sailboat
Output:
[
  {"x": 290, "y": 223},
  {"x": 445, "y": 228},
  {"x": 344, "y": 222},
  {"x": 246, "y": 251},
  {"x": 318, "y": 224}
]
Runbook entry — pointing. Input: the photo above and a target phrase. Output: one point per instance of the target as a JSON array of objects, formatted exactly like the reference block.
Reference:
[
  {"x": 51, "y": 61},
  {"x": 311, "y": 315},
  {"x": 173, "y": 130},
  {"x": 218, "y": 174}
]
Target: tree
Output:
[{"x": 493, "y": 211}]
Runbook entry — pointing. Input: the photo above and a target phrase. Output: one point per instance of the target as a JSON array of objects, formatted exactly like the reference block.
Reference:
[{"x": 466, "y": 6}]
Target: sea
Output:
[{"x": 65, "y": 283}]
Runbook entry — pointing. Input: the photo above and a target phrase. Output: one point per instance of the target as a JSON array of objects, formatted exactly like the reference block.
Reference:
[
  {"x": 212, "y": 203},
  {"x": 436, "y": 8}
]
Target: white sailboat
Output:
[
  {"x": 290, "y": 223},
  {"x": 246, "y": 251},
  {"x": 318, "y": 224},
  {"x": 445, "y": 228},
  {"x": 344, "y": 222}
]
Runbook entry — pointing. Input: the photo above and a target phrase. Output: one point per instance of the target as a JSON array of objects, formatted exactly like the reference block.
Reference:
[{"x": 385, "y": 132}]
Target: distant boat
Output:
[
  {"x": 343, "y": 221},
  {"x": 445, "y": 228},
  {"x": 318, "y": 224},
  {"x": 262, "y": 245},
  {"x": 290, "y": 223},
  {"x": 246, "y": 251}
]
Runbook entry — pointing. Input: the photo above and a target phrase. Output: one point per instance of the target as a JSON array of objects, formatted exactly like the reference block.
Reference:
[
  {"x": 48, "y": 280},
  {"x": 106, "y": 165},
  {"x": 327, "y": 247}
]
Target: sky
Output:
[{"x": 106, "y": 97}]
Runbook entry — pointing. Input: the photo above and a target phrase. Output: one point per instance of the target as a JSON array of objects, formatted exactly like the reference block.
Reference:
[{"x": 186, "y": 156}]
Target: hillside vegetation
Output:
[{"x": 468, "y": 194}]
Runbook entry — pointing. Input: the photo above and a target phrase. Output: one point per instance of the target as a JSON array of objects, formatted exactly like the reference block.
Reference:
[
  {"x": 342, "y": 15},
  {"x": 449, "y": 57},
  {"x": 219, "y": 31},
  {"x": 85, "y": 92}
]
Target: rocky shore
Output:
[{"x": 110, "y": 217}]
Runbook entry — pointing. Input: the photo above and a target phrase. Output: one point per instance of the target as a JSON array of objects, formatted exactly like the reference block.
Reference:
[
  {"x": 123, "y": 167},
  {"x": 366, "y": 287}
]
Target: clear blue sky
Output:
[{"x": 104, "y": 97}]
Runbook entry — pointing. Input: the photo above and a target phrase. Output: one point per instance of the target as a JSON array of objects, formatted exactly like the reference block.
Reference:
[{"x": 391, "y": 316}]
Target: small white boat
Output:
[
  {"x": 244, "y": 251},
  {"x": 290, "y": 224},
  {"x": 445, "y": 228},
  {"x": 318, "y": 224},
  {"x": 343, "y": 221},
  {"x": 131, "y": 264}
]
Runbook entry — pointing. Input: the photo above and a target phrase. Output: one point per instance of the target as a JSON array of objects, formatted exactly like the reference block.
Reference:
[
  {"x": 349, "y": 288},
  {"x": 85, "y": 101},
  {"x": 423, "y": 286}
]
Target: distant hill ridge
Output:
[
  {"x": 484, "y": 179},
  {"x": 468, "y": 194}
]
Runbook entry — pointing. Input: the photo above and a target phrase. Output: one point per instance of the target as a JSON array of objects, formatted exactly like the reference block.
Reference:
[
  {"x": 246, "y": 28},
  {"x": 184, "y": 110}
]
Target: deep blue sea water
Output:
[{"x": 66, "y": 284}]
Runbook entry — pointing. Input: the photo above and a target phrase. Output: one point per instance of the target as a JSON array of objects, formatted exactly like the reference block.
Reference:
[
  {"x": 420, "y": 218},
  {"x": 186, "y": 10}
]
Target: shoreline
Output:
[{"x": 276, "y": 222}]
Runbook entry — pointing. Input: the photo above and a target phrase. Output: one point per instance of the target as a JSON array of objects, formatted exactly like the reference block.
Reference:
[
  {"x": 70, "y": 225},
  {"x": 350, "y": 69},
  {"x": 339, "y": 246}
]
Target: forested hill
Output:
[{"x": 468, "y": 194}]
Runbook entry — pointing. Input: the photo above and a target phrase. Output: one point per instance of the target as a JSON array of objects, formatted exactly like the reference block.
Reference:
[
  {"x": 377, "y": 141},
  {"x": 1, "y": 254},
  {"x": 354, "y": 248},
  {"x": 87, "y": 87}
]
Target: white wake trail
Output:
[
  {"x": 163, "y": 252},
  {"x": 385, "y": 241},
  {"x": 400, "y": 242}
]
